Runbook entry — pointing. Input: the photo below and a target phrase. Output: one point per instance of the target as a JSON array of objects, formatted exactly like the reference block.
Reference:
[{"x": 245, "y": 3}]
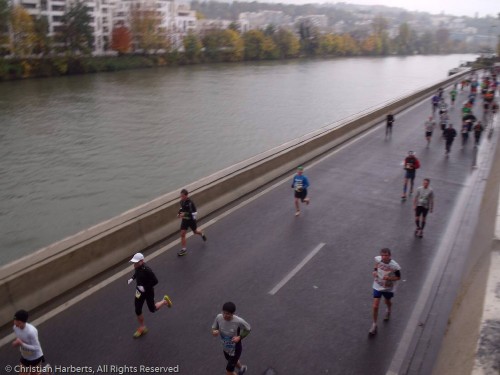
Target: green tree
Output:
[
  {"x": 309, "y": 37},
  {"x": 76, "y": 33},
  {"x": 404, "y": 42},
  {"x": 269, "y": 49},
  {"x": 287, "y": 44},
  {"x": 254, "y": 44},
  {"x": 223, "y": 45},
  {"x": 325, "y": 45},
  {"x": 22, "y": 32},
  {"x": 43, "y": 42},
  {"x": 4, "y": 21},
  {"x": 192, "y": 47},
  {"x": 234, "y": 26}
]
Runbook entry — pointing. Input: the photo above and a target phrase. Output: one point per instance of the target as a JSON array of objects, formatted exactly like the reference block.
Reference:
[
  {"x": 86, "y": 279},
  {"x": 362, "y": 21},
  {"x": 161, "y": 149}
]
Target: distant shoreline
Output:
[{"x": 28, "y": 68}]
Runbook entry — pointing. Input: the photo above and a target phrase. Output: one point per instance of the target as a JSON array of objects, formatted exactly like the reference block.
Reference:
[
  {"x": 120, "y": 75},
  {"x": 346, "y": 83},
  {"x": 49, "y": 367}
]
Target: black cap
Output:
[{"x": 21, "y": 315}]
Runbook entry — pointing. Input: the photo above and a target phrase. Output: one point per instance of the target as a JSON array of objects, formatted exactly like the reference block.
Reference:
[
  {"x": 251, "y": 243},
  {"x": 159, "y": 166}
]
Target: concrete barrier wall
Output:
[{"x": 36, "y": 279}]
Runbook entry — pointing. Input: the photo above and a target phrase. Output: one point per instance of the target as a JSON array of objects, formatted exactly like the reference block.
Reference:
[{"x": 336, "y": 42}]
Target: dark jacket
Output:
[
  {"x": 187, "y": 209},
  {"x": 144, "y": 276}
]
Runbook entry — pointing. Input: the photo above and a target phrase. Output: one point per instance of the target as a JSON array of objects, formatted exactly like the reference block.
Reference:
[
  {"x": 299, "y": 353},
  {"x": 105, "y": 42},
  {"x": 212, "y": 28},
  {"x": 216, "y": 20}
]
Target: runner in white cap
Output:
[{"x": 144, "y": 291}]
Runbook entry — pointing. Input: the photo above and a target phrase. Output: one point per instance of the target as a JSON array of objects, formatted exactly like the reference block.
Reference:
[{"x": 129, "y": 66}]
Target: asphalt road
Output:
[{"x": 318, "y": 321}]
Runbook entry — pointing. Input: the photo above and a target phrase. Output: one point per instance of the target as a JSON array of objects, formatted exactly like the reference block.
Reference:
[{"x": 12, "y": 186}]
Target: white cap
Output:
[{"x": 137, "y": 258}]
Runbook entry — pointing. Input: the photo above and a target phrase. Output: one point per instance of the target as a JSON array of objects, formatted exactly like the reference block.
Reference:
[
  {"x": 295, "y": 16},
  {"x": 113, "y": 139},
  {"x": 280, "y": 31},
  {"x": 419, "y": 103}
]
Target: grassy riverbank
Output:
[{"x": 13, "y": 69}]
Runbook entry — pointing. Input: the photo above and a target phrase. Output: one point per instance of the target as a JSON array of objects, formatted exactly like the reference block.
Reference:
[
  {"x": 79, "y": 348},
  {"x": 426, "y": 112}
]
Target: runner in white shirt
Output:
[
  {"x": 385, "y": 274},
  {"x": 422, "y": 204},
  {"x": 429, "y": 127},
  {"x": 29, "y": 346}
]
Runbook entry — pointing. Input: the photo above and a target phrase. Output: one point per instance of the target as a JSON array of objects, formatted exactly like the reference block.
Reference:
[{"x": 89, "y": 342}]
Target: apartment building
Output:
[
  {"x": 53, "y": 10},
  {"x": 177, "y": 19}
]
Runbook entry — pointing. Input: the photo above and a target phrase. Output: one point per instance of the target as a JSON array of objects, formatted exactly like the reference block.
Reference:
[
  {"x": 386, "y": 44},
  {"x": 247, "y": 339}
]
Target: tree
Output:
[
  {"x": 22, "y": 32},
  {"x": 372, "y": 45},
  {"x": 223, "y": 45},
  {"x": 287, "y": 44},
  {"x": 309, "y": 37},
  {"x": 76, "y": 33},
  {"x": 4, "y": 21},
  {"x": 192, "y": 47},
  {"x": 43, "y": 43},
  {"x": 269, "y": 49},
  {"x": 405, "y": 40},
  {"x": 145, "y": 24},
  {"x": 121, "y": 40},
  {"x": 254, "y": 43}
]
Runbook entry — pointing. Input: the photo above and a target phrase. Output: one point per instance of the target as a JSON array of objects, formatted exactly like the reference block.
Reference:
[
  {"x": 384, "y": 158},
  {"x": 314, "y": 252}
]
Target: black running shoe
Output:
[{"x": 182, "y": 252}]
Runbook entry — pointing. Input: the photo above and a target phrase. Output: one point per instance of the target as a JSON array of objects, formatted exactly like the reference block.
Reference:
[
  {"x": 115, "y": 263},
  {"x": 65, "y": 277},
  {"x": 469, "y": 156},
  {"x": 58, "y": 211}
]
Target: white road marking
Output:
[{"x": 292, "y": 273}]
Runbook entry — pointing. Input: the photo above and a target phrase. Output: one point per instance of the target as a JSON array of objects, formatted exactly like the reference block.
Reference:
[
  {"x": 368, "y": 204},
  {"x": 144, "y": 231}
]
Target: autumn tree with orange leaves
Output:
[{"x": 121, "y": 40}]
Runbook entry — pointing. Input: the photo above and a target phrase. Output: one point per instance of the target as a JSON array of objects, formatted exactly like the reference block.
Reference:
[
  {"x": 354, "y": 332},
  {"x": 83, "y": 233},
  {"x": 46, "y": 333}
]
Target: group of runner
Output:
[
  {"x": 231, "y": 328},
  {"x": 386, "y": 271}
]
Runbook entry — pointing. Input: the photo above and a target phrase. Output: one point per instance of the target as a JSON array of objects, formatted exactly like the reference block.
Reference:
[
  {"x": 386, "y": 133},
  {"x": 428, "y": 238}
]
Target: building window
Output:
[{"x": 43, "y": 4}]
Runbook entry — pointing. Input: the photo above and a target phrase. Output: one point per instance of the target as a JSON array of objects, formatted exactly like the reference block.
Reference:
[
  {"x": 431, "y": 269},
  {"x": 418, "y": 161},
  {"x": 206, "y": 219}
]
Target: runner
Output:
[
  {"x": 453, "y": 95},
  {"x": 300, "y": 183},
  {"x": 390, "y": 121},
  {"x": 443, "y": 107},
  {"x": 443, "y": 121},
  {"x": 231, "y": 329},
  {"x": 410, "y": 165},
  {"x": 144, "y": 291},
  {"x": 465, "y": 132},
  {"x": 429, "y": 127},
  {"x": 435, "y": 102},
  {"x": 188, "y": 214},
  {"x": 385, "y": 274},
  {"x": 422, "y": 204},
  {"x": 449, "y": 135},
  {"x": 478, "y": 130},
  {"x": 29, "y": 346}
]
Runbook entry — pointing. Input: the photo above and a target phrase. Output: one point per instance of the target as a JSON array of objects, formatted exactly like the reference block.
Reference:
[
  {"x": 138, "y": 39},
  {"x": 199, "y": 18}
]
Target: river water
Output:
[{"x": 79, "y": 150}]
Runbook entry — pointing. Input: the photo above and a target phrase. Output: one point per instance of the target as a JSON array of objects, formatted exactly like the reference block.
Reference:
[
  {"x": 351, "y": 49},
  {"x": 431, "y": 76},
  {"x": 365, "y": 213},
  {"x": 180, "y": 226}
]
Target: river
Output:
[{"x": 79, "y": 150}]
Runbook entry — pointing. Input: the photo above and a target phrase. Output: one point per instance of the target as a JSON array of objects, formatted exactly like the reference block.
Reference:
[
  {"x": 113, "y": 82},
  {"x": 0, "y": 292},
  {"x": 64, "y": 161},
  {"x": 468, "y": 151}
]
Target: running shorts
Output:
[
  {"x": 420, "y": 210},
  {"x": 301, "y": 194},
  {"x": 186, "y": 224}
]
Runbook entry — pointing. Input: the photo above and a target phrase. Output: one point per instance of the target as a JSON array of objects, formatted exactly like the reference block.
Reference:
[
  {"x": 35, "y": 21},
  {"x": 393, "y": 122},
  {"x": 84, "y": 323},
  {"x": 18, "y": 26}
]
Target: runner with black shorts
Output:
[
  {"x": 231, "y": 329},
  {"x": 423, "y": 203},
  {"x": 429, "y": 127},
  {"x": 388, "y": 128},
  {"x": 188, "y": 214},
  {"x": 300, "y": 183},
  {"x": 410, "y": 165},
  {"x": 28, "y": 344},
  {"x": 145, "y": 292}
]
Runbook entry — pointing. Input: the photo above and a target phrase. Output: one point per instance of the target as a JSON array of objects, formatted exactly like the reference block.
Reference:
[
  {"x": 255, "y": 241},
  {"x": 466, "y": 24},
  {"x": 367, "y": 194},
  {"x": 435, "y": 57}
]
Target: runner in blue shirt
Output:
[{"x": 300, "y": 183}]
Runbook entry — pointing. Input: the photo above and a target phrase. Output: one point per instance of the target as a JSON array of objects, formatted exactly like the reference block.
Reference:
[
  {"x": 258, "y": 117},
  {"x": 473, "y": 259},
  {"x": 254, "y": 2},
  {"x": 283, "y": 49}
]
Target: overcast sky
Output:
[{"x": 455, "y": 7}]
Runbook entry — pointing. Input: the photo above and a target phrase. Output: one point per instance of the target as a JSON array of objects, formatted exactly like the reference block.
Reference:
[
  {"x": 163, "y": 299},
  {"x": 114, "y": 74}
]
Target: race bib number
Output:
[{"x": 228, "y": 345}]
